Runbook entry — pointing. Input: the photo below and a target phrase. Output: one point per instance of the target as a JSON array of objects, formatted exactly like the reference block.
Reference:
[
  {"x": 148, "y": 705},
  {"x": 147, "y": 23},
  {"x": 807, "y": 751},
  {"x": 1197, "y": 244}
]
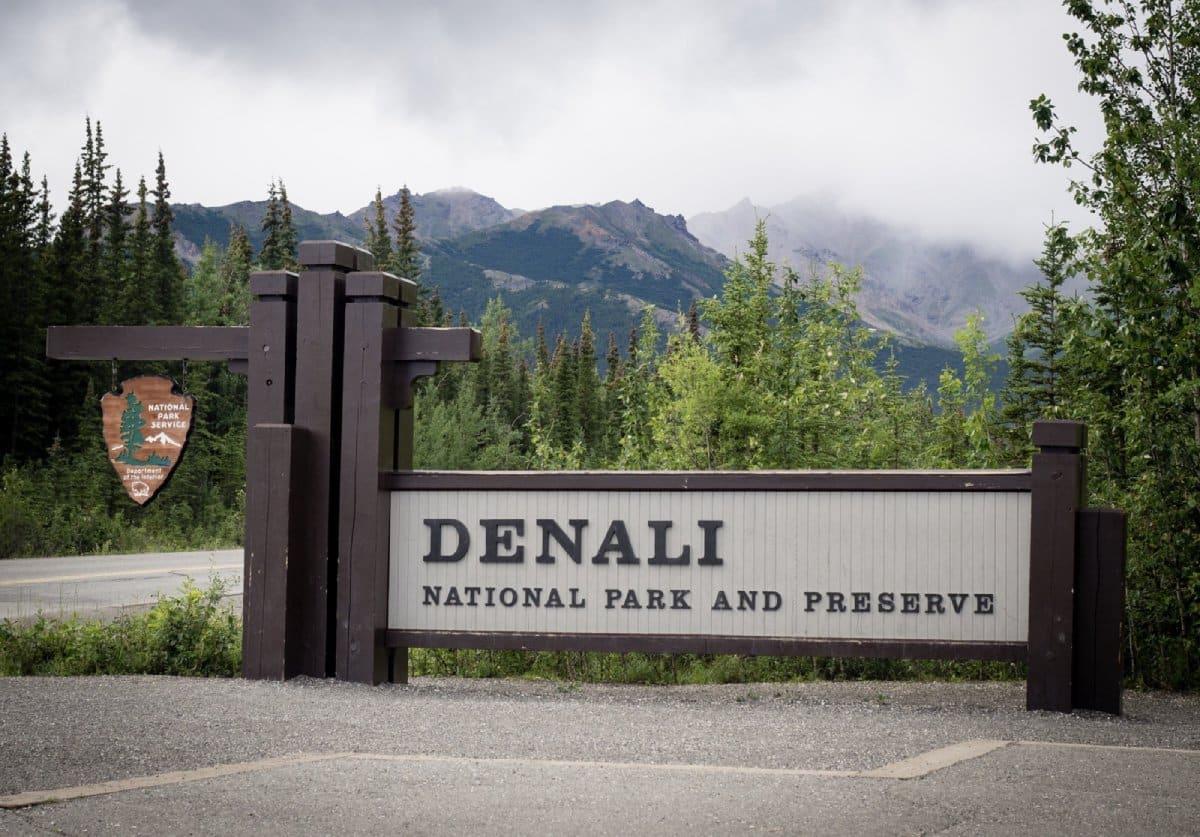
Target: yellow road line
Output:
[{"x": 24, "y": 582}]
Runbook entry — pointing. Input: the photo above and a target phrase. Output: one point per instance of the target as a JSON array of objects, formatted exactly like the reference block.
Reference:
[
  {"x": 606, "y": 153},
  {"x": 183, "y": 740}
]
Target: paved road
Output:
[
  {"x": 106, "y": 585},
  {"x": 143, "y": 755}
]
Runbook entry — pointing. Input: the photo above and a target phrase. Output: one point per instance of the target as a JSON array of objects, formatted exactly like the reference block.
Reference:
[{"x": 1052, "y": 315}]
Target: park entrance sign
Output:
[
  {"x": 352, "y": 557},
  {"x": 771, "y": 557}
]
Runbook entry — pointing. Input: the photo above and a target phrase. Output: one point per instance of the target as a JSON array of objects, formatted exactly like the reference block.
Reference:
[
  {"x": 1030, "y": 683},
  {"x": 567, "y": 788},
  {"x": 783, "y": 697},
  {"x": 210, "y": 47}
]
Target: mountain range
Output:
[
  {"x": 912, "y": 286},
  {"x": 613, "y": 259}
]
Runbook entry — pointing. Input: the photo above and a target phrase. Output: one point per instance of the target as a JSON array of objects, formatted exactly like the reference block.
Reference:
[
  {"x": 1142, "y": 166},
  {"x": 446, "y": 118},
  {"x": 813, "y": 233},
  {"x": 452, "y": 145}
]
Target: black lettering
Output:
[
  {"x": 911, "y": 602},
  {"x": 985, "y": 603},
  {"x": 491, "y": 597},
  {"x": 654, "y": 600},
  {"x": 631, "y": 601},
  {"x": 574, "y": 548},
  {"x": 837, "y": 603},
  {"x": 436, "y": 525},
  {"x": 933, "y": 603},
  {"x": 433, "y": 595},
  {"x": 533, "y": 597},
  {"x": 660, "y": 556},
  {"x": 747, "y": 599},
  {"x": 887, "y": 602},
  {"x": 862, "y": 602},
  {"x": 494, "y": 538},
  {"x": 508, "y": 597},
  {"x": 612, "y": 596},
  {"x": 679, "y": 600},
  {"x": 771, "y": 600},
  {"x": 616, "y": 539},
  {"x": 722, "y": 603},
  {"x": 554, "y": 600},
  {"x": 472, "y": 594},
  {"x": 811, "y": 600},
  {"x": 575, "y": 600},
  {"x": 957, "y": 600},
  {"x": 709, "y": 558},
  {"x": 452, "y": 597}
]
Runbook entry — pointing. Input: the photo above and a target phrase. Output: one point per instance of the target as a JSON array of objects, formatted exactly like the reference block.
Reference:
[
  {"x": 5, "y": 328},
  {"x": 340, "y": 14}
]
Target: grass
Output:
[{"x": 666, "y": 669}]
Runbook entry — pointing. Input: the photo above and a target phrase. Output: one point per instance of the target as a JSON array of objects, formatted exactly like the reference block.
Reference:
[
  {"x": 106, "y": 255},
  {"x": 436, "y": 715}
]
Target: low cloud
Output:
[{"x": 915, "y": 111}]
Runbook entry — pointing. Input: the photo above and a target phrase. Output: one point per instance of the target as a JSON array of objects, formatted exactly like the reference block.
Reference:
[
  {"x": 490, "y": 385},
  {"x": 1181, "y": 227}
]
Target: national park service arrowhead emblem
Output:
[{"x": 146, "y": 427}]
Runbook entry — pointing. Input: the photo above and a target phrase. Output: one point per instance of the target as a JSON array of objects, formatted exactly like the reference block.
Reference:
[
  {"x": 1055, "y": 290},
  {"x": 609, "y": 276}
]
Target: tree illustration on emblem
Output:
[
  {"x": 131, "y": 430},
  {"x": 132, "y": 425}
]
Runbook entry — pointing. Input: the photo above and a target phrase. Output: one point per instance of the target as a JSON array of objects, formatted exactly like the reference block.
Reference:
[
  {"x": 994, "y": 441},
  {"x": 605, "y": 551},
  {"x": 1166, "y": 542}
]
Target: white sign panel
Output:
[{"x": 949, "y": 566}]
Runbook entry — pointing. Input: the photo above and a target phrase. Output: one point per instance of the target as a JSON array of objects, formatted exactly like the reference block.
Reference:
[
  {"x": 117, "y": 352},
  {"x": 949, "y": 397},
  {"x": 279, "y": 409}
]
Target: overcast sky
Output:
[{"x": 914, "y": 110}]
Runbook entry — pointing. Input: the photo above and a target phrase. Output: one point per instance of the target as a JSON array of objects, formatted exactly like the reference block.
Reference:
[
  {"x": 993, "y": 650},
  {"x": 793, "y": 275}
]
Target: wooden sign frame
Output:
[{"x": 331, "y": 354}]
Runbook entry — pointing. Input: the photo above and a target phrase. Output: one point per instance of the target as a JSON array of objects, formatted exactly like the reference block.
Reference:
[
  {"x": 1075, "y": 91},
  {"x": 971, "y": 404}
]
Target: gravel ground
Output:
[{"x": 492, "y": 737}]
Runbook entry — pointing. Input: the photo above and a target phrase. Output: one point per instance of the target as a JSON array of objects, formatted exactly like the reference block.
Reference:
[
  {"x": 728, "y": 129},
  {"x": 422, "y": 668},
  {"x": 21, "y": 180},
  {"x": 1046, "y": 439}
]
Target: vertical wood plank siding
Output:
[{"x": 962, "y": 534}]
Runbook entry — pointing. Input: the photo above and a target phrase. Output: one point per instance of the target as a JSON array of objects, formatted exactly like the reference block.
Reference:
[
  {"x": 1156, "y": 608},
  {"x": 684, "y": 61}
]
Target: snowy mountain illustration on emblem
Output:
[{"x": 161, "y": 438}]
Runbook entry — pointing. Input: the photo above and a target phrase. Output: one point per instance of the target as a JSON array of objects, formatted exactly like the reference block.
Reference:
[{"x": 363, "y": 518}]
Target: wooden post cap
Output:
[
  {"x": 334, "y": 255},
  {"x": 1060, "y": 434}
]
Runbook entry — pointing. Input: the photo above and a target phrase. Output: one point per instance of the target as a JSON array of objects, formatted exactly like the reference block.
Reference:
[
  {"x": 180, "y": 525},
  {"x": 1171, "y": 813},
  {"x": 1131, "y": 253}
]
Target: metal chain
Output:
[{"x": 114, "y": 374}]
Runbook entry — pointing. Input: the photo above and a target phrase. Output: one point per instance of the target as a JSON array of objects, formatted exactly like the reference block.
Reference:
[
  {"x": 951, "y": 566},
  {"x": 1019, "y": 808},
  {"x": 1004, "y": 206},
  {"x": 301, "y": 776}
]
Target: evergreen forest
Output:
[{"x": 776, "y": 371}]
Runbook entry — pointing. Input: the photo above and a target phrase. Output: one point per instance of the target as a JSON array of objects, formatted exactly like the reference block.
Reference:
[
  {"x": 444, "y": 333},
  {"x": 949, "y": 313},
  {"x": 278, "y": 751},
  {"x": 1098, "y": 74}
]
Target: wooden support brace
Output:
[
  {"x": 417, "y": 352},
  {"x": 271, "y": 503},
  {"x": 1099, "y": 607}
]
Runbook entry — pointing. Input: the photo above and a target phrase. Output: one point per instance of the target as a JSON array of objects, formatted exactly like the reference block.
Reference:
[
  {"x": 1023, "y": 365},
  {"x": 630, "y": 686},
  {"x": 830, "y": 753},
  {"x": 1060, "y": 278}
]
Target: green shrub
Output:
[{"x": 191, "y": 634}]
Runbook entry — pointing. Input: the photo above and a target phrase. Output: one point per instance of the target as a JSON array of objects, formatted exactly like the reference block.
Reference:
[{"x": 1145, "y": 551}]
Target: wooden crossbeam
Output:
[
  {"x": 227, "y": 343},
  {"x": 432, "y": 344},
  {"x": 231, "y": 343}
]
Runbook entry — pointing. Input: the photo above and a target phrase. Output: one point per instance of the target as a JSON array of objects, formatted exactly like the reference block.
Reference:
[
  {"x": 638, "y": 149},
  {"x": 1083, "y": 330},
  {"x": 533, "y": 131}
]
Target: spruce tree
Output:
[
  {"x": 94, "y": 170},
  {"x": 115, "y": 251},
  {"x": 564, "y": 392},
  {"x": 168, "y": 272},
  {"x": 140, "y": 280},
  {"x": 202, "y": 303},
  {"x": 406, "y": 260},
  {"x": 542, "y": 359},
  {"x": 270, "y": 256},
  {"x": 75, "y": 300},
  {"x": 1038, "y": 383},
  {"x": 21, "y": 336},
  {"x": 235, "y": 278},
  {"x": 288, "y": 238},
  {"x": 587, "y": 386},
  {"x": 378, "y": 238},
  {"x": 693, "y": 322},
  {"x": 44, "y": 232}
]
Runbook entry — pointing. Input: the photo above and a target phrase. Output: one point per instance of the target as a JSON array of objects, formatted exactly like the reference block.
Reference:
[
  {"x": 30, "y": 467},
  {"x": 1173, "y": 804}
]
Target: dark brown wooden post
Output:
[
  {"x": 271, "y": 348},
  {"x": 270, "y": 459},
  {"x": 319, "y": 324},
  {"x": 269, "y": 468},
  {"x": 1057, "y": 495},
  {"x": 1099, "y": 606},
  {"x": 274, "y": 532},
  {"x": 373, "y": 439}
]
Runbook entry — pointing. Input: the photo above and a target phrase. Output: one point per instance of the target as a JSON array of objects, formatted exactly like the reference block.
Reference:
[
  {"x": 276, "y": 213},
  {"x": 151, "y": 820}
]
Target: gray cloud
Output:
[{"x": 913, "y": 110}]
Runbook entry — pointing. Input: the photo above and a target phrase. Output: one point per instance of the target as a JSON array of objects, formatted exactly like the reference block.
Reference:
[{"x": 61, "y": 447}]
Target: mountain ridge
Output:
[{"x": 623, "y": 255}]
